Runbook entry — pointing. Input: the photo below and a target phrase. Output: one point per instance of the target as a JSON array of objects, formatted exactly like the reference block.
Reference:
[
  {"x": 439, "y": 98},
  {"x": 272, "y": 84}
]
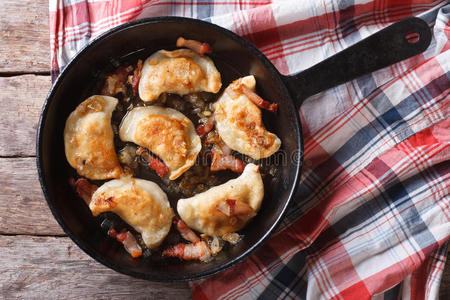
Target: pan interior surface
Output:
[{"x": 233, "y": 58}]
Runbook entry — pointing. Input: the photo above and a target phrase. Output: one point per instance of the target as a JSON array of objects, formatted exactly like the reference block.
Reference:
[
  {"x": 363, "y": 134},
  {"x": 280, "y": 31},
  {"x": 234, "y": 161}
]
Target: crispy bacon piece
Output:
[
  {"x": 231, "y": 207},
  {"x": 159, "y": 167},
  {"x": 83, "y": 188},
  {"x": 128, "y": 240},
  {"x": 131, "y": 245},
  {"x": 121, "y": 236},
  {"x": 154, "y": 163},
  {"x": 223, "y": 162},
  {"x": 199, "y": 47},
  {"x": 116, "y": 82},
  {"x": 222, "y": 159},
  {"x": 185, "y": 231},
  {"x": 206, "y": 127},
  {"x": 272, "y": 107},
  {"x": 136, "y": 77},
  {"x": 199, "y": 250},
  {"x": 112, "y": 232}
]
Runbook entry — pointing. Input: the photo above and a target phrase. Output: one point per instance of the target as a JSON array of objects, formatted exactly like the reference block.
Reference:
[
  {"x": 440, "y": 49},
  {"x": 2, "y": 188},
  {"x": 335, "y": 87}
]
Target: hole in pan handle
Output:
[{"x": 394, "y": 43}]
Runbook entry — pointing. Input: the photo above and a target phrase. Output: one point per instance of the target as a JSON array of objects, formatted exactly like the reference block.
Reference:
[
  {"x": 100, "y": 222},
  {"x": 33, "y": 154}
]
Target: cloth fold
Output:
[{"x": 371, "y": 217}]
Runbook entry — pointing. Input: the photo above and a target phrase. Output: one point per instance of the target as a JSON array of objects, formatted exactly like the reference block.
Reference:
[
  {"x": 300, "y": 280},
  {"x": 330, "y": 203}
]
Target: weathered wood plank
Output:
[
  {"x": 24, "y": 33},
  {"x": 23, "y": 208},
  {"x": 21, "y": 99},
  {"x": 54, "y": 268}
]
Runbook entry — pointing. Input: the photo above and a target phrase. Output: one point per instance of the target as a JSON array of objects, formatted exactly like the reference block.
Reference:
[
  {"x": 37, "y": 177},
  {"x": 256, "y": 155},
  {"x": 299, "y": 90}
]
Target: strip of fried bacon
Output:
[
  {"x": 154, "y": 163},
  {"x": 198, "y": 250},
  {"x": 272, "y": 107},
  {"x": 116, "y": 82},
  {"x": 136, "y": 77},
  {"x": 185, "y": 231},
  {"x": 232, "y": 207},
  {"x": 128, "y": 240},
  {"x": 223, "y": 160},
  {"x": 159, "y": 167},
  {"x": 83, "y": 188},
  {"x": 206, "y": 127},
  {"x": 199, "y": 47}
]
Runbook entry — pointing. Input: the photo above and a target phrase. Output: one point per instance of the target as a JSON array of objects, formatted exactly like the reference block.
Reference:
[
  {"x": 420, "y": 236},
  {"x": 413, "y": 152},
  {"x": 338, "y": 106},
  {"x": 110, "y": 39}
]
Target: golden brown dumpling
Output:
[
  {"x": 179, "y": 72},
  {"x": 239, "y": 122},
  {"x": 225, "y": 208},
  {"x": 89, "y": 139},
  {"x": 140, "y": 203},
  {"x": 166, "y": 132}
]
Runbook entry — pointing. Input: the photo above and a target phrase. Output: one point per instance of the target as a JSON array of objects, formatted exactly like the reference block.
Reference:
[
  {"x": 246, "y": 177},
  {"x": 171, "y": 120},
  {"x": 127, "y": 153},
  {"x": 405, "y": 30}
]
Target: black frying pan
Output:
[{"x": 234, "y": 57}]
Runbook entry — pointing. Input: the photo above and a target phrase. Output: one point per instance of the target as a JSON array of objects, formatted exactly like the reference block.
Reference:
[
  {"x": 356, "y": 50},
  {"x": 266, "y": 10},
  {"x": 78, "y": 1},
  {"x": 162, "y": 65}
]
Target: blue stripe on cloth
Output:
[
  {"x": 297, "y": 289},
  {"x": 393, "y": 293},
  {"x": 391, "y": 123},
  {"x": 204, "y": 12},
  {"x": 409, "y": 218},
  {"x": 441, "y": 83},
  {"x": 395, "y": 198},
  {"x": 367, "y": 85},
  {"x": 346, "y": 21},
  {"x": 289, "y": 280},
  {"x": 430, "y": 17}
]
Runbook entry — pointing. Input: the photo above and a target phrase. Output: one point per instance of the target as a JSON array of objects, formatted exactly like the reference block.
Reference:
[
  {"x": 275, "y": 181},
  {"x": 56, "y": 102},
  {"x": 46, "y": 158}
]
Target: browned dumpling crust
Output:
[
  {"x": 89, "y": 139},
  {"x": 140, "y": 203},
  {"x": 179, "y": 72},
  {"x": 239, "y": 122},
  {"x": 207, "y": 212},
  {"x": 166, "y": 132}
]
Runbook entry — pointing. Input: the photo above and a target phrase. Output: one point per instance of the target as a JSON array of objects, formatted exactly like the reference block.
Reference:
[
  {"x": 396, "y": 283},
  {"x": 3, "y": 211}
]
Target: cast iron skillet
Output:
[{"x": 234, "y": 57}]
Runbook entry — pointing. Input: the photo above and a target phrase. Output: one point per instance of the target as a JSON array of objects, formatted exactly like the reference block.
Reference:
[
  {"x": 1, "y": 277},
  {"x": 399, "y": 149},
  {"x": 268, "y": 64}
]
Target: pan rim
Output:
[{"x": 92, "y": 252}]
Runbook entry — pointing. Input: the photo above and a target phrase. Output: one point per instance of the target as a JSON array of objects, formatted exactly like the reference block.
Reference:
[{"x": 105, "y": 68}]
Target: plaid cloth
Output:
[{"x": 371, "y": 217}]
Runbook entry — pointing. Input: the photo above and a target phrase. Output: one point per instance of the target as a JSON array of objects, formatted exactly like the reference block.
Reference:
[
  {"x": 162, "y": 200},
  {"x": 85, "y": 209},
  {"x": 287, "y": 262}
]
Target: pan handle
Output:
[{"x": 394, "y": 43}]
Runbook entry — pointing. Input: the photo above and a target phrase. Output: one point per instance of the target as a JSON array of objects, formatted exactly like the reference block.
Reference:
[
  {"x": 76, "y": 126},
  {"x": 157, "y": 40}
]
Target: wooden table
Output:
[{"x": 37, "y": 259}]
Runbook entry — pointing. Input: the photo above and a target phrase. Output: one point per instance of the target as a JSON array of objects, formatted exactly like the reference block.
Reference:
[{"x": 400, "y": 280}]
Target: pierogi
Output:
[
  {"x": 179, "y": 72},
  {"x": 89, "y": 139},
  {"x": 166, "y": 132},
  {"x": 140, "y": 203},
  {"x": 239, "y": 122},
  {"x": 207, "y": 212}
]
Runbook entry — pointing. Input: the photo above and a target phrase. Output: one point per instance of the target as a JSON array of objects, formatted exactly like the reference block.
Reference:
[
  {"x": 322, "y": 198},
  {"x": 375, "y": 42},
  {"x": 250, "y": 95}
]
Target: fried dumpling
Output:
[
  {"x": 140, "y": 203},
  {"x": 179, "y": 72},
  {"x": 225, "y": 208},
  {"x": 239, "y": 122},
  {"x": 166, "y": 132},
  {"x": 89, "y": 139}
]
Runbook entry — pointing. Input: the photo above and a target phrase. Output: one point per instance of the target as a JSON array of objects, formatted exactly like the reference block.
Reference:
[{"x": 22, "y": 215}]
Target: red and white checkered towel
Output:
[{"x": 372, "y": 214}]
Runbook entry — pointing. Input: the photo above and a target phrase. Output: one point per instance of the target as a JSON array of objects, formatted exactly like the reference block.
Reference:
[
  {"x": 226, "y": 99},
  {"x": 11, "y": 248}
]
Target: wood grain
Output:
[
  {"x": 23, "y": 208},
  {"x": 54, "y": 268},
  {"x": 24, "y": 33},
  {"x": 21, "y": 99}
]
